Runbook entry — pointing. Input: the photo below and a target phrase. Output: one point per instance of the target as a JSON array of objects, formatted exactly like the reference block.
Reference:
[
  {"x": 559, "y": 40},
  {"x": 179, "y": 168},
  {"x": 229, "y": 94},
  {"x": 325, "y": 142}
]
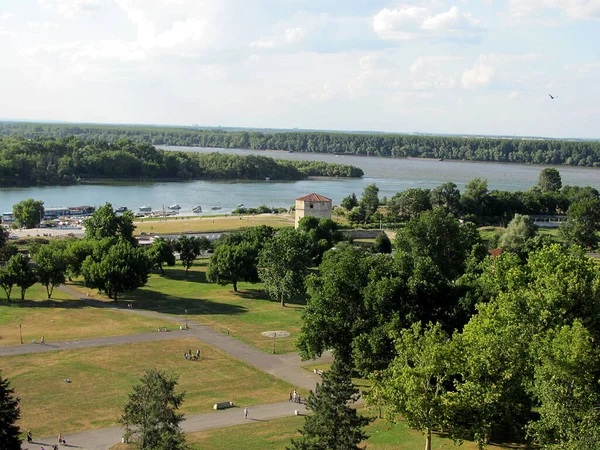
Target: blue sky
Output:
[{"x": 465, "y": 66}]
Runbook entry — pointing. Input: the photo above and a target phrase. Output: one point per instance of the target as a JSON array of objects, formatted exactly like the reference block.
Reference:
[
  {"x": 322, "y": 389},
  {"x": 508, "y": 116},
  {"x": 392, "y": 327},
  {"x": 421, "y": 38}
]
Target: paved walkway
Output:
[{"x": 285, "y": 367}]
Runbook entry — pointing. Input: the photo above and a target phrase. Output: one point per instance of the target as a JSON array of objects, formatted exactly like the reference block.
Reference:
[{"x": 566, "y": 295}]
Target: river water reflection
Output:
[{"x": 391, "y": 175}]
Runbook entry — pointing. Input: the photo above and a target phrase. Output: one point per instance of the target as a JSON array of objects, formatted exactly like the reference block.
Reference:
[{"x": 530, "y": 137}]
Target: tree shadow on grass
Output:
[
  {"x": 48, "y": 303},
  {"x": 193, "y": 276}
]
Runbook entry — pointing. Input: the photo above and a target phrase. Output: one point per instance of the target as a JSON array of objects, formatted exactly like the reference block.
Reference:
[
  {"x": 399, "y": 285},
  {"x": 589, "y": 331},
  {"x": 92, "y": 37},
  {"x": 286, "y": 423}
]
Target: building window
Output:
[{"x": 310, "y": 206}]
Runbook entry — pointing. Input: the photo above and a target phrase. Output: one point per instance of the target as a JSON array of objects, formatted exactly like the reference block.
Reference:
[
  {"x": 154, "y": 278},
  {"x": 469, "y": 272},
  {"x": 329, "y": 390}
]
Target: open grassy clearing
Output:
[
  {"x": 276, "y": 435},
  {"x": 244, "y": 315},
  {"x": 64, "y": 318},
  {"x": 174, "y": 225},
  {"x": 102, "y": 377}
]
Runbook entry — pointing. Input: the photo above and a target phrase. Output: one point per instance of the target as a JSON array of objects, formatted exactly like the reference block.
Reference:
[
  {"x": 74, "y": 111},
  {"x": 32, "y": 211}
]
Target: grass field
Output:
[
  {"x": 276, "y": 435},
  {"x": 102, "y": 377},
  {"x": 219, "y": 223},
  {"x": 63, "y": 318},
  {"x": 244, "y": 315}
]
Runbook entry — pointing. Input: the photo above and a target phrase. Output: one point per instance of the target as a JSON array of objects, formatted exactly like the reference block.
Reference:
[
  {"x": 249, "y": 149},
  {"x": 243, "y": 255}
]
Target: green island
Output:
[
  {"x": 70, "y": 160},
  {"x": 471, "y": 148}
]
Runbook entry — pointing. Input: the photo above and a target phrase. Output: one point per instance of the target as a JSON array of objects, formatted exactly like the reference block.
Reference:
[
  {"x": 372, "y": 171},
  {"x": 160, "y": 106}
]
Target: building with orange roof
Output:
[{"x": 315, "y": 205}]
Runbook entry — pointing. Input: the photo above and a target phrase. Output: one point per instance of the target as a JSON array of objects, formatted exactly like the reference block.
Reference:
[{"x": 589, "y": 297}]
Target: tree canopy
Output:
[
  {"x": 9, "y": 415},
  {"x": 28, "y": 213}
]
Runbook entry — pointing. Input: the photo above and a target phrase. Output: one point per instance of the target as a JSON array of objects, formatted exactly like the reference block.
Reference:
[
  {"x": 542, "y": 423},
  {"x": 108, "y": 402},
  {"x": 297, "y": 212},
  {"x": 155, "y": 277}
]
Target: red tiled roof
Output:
[
  {"x": 495, "y": 252},
  {"x": 314, "y": 198}
]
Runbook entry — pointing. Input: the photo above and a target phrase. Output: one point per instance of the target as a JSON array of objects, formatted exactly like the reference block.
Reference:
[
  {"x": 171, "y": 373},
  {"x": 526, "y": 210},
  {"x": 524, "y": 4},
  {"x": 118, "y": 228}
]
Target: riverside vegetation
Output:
[{"x": 536, "y": 151}]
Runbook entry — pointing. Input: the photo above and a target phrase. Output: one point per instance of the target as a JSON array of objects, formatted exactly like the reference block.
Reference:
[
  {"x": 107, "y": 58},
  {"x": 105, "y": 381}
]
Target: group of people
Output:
[
  {"x": 61, "y": 440},
  {"x": 295, "y": 397},
  {"x": 189, "y": 356}
]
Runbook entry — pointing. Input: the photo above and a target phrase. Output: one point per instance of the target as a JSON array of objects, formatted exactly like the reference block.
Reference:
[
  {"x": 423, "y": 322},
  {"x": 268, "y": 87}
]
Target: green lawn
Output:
[
  {"x": 63, "y": 318},
  {"x": 102, "y": 377},
  {"x": 276, "y": 435},
  {"x": 244, "y": 315}
]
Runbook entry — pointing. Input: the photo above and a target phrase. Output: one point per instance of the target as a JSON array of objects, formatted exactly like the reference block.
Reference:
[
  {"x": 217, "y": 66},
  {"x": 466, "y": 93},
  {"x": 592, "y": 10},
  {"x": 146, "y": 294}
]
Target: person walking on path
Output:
[
  {"x": 60, "y": 438},
  {"x": 42, "y": 340},
  {"x": 245, "y": 413}
]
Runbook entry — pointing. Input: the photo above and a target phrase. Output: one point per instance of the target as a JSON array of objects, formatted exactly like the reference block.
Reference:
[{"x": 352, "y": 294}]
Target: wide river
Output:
[{"x": 391, "y": 175}]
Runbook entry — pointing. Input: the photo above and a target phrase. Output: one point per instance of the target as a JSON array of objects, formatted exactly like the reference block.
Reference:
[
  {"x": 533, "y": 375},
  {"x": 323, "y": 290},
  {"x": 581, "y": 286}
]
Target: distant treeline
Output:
[
  {"x": 575, "y": 153},
  {"x": 55, "y": 161}
]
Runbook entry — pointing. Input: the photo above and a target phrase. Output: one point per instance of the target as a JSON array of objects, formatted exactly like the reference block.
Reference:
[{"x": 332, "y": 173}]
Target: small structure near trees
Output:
[{"x": 314, "y": 205}]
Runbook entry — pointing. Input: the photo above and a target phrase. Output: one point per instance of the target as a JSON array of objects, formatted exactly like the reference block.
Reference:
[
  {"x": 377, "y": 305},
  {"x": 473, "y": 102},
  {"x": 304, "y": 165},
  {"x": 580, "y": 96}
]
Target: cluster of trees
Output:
[
  {"x": 456, "y": 341},
  {"x": 537, "y": 151},
  {"x": 66, "y": 160},
  {"x": 481, "y": 206},
  {"x": 262, "y": 209}
]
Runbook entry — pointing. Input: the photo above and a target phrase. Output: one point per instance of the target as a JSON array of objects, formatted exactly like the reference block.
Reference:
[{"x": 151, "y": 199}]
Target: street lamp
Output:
[
  {"x": 21, "y": 333},
  {"x": 185, "y": 319}
]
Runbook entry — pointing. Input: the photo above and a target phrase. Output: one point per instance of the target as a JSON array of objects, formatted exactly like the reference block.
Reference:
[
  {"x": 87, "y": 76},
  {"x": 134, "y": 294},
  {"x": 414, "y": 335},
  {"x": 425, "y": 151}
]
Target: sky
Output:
[{"x": 428, "y": 66}]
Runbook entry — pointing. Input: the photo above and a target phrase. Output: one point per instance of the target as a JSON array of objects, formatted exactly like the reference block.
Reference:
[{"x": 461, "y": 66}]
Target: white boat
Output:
[
  {"x": 215, "y": 207},
  {"x": 175, "y": 206},
  {"x": 121, "y": 209},
  {"x": 240, "y": 205},
  {"x": 145, "y": 208},
  {"x": 197, "y": 209}
]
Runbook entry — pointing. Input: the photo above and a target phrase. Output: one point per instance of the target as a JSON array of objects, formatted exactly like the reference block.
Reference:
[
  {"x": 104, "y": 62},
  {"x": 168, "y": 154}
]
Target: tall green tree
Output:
[
  {"x": 520, "y": 230},
  {"x": 333, "y": 424},
  {"x": 415, "y": 385},
  {"x": 322, "y": 233},
  {"x": 151, "y": 416},
  {"x": 283, "y": 264},
  {"x": 410, "y": 202},
  {"x": 231, "y": 263},
  {"x": 24, "y": 274},
  {"x": 8, "y": 279},
  {"x": 119, "y": 269},
  {"x": 105, "y": 223},
  {"x": 28, "y": 213},
  {"x": 190, "y": 248},
  {"x": 382, "y": 244},
  {"x": 51, "y": 266},
  {"x": 349, "y": 202},
  {"x": 583, "y": 223},
  {"x": 369, "y": 201},
  {"x": 475, "y": 198},
  {"x": 566, "y": 385},
  {"x": 9, "y": 415},
  {"x": 446, "y": 196},
  {"x": 550, "y": 180},
  {"x": 160, "y": 253}
]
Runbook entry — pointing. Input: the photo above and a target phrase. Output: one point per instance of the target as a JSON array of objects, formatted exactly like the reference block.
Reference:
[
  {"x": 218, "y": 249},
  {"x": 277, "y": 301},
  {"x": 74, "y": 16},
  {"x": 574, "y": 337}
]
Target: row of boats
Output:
[{"x": 177, "y": 207}]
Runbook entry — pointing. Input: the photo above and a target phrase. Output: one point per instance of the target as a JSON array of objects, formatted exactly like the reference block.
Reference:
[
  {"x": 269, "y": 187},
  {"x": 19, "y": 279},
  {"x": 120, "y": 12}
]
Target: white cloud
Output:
[
  {"x": 417, "y": 21},
  {"x": 289, "y": 36},
  {"x": 5, "y": 15},
  {"x": 71, "y": 8},
  {"x": 434, "y": 72},
  {"x": 42, "y": 25},
  {"x": 577, "y": 9},
  {"x": 480, "y": 74}
]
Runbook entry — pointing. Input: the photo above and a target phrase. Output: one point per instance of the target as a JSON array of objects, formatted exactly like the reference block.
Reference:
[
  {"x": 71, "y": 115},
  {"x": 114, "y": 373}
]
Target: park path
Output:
[{"x": 286, "y": 367}]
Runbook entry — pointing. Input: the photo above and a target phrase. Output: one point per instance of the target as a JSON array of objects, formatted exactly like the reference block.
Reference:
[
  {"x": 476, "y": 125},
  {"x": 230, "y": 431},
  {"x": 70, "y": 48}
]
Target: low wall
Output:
[{"x": 362, "y": 234}]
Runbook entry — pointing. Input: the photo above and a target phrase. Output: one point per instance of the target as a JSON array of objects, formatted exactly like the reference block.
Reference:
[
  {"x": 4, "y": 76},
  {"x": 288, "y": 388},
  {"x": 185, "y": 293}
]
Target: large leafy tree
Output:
[
  {"x": 566, "y": 385},
  {"x": 369, "y": 202},
  {"x": 160, "y": 253},
  {"x": 333, "y": 424},
  {"x": 190, "y": 248},
  {"x": 24, "y": 274},
  {"x": 446, "y": 196},
  {"x": 415, "y": 385},
  {"x": 8, "y": 278},
  {"x": 349, "y": 202},
  {"x": 120, "y": 268},
  {"x": 51, "y": 266},
  {"x": 283, "y": 264},
  {"x": 583, "y": 223},
  {"x": 105, "y": 223},
  {"x": 151, "y": 416},
  {"x": 475, "y": 198},
  {"x": 520, "y": 230},
  {"x": 410, "y": 202},
  {"x": 233, "y": 262},
  {"x": 322, "y": 233},
  {"x": 28, "y": 213},
  {"x": 9, "y": 415},
  {"x": 550, "y": 180}
]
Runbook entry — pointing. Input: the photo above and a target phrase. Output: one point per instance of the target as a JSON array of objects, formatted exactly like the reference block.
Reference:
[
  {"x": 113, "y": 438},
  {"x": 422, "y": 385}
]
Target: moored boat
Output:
[
  {"x": 215, "y": 207},
  {"x": 121, "y": 209},
  {"x": 175, "y": 206},
  {"x": 197, "y": 209},
  {"x": 146, "y": 208}
]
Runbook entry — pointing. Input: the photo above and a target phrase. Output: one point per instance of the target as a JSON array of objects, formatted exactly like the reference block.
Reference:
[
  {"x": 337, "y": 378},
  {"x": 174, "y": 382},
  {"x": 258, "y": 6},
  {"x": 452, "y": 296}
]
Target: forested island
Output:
[
  {"x": 535, "y": 151},
  {"x": 69, "y": 160}
]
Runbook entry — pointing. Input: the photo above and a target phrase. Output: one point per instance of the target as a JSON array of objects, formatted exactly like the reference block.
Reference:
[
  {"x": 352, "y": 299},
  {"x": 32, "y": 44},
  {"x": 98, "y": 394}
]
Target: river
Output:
[{"x": 391, "y": 175}]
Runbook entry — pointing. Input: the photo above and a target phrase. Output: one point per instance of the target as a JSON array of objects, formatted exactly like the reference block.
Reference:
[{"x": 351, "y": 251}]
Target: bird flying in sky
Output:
[{"x": 552, "y": 96}]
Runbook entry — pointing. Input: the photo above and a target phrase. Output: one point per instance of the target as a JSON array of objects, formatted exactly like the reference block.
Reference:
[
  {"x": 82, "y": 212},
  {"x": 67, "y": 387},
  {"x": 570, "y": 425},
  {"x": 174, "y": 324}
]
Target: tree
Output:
[
  {"x": 51, "y": 267},
  {"x": 382, "y": 244},
  {"x": 475, "y": 198},
  {"x": 322, "y": 233},
  {"x": 519, "y": 231},
  {"x": 190, "y": 248},
  {"x": 105, "y": 223},
  {"x": 24, "y": 274},
  {"x": 151, "y": 416},
  {"x": 283, "y": 264},
  {"x": 415, "y": 385},
  {"x": 121, "y": 268},
  {"x": 566, "y": 386},
  {"x": 369, "y": 202},
  {"x": 9, "y": 415},
  {"x": 8, "y": 278},
  {"x": 333, "y": 424},
  {"x": 161, "y": 252},
  {"x": 233, "y": 262},
  {"x": 349, "y": 202},
  {"x": 446, "y": 196},
  {"x": 583, "y": 222},
  {"x": 28, "y": 213},
  {"x": 550, "y": 180},
  {"x": 76, "y": 251},
  {"x": 410, "y": 202}
]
